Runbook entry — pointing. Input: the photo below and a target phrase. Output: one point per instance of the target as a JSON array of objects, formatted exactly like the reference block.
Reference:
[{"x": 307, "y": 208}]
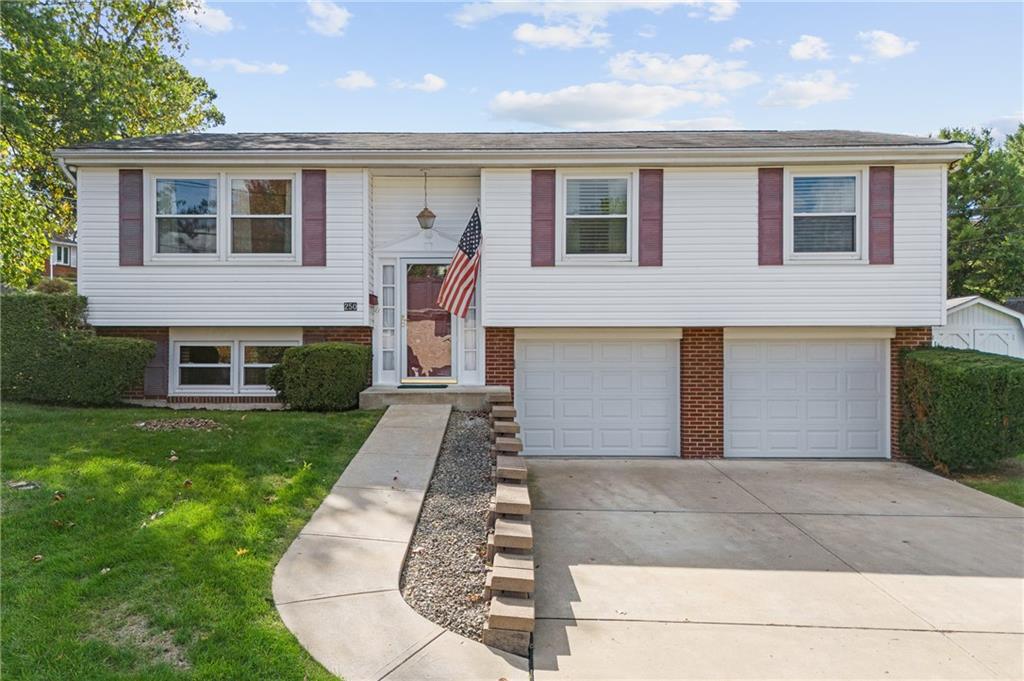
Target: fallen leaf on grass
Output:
[
  {"x": 156, "y": 515},
  {"x": 241, "y": 552},
  {"x": 104, "y": 571},
  {"x": 36, "y": 558},
  {"x": 188, "y": 483},
  {"x": 270, "y": 498},
  {"x": 58, "y": 496}
]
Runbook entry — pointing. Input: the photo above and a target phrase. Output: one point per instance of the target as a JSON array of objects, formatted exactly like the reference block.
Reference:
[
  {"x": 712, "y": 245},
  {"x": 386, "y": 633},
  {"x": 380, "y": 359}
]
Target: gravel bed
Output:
[
  {"x": 444, "y": 575},
  {"x": 189, "y": 423}
]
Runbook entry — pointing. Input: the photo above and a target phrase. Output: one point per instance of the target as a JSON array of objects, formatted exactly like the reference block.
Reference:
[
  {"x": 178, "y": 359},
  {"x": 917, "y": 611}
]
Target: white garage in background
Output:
[
  {"x": 975, "y": 323},
  {"x": 811, "y": 393},
  {"x": 597, "y": 392}
]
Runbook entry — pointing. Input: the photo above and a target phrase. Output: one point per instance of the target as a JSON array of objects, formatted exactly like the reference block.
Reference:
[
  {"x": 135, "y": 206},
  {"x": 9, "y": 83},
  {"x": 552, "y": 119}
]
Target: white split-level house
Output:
[{"x": 642, "y": 293}]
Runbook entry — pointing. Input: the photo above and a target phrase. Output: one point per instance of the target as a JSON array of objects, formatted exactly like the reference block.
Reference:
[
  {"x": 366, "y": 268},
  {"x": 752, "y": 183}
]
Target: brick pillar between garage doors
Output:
[
  {"x": 910, "y": 337},
  {"x": 701, "y": 393}
]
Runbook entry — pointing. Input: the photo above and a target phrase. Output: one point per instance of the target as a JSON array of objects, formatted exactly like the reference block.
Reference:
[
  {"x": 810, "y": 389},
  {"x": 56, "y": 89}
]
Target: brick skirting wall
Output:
[
  {"x": 361, "y": 335},
  {"x": 909, "y": 337},
  {"x": 154, "y": 385},
  {"x": 500, "y": 353},
  {"x": 701, "y": 393}
]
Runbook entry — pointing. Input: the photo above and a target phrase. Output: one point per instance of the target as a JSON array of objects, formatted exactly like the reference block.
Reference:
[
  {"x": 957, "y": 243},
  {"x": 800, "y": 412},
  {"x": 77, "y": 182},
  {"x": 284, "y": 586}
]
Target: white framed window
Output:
[
  {"x": 824, "y": 215},
  {"x": 61, "y": 255},
  {"x": 204, "y": 367},
  {"x": 388, "y": 315},
  {"x": 232, "y": 366},
  {"x": 186, "y": 215},
  {"x": 196, "y": 218},
  {"x": 596, "y": 216},
  {"x": 262, "y": 214}
]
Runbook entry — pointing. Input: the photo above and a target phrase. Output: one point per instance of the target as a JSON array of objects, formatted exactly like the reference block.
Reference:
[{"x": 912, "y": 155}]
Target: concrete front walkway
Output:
[
  {"x": 337, "y": 585},
  {"x": 772, "y": 570}
]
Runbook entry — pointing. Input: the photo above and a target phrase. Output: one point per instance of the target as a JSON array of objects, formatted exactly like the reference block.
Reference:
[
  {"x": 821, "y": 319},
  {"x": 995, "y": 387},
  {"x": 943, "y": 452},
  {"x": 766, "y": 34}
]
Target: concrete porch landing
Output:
[
  {"x": 336, "y": 587},
  {"x": 460, "y": 397}
]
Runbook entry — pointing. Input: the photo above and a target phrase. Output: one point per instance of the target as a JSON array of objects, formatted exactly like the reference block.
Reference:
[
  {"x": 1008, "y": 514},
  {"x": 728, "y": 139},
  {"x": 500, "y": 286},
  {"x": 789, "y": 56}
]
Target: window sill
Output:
[
  {"x": 213, "y": 261},
  {"x": 578, "y": 261}
]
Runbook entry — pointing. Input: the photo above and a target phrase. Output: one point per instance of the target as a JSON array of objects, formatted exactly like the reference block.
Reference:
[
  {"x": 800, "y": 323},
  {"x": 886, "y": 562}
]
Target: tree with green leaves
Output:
[
  {"x": 76, "y": 71},
  {"x": 986, "y": 216}
]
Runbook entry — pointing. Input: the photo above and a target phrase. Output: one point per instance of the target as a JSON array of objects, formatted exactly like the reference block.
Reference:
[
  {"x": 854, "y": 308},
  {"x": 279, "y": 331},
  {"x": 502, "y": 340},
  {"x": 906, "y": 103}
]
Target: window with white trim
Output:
[
  {"x": 186, "y": 215},
  {"x": 261, "y": 215},
  {"x": 824, "y": 215},
  {"x": 387, "y": 320},
  {"x": 62, "y": 255},
  {"x": 597, "y": 217},
  {"x": 225, "y": 366}
]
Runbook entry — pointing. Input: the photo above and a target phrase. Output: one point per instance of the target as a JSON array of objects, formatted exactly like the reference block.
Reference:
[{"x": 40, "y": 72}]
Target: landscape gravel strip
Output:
[{"x": 444, "y": 574}]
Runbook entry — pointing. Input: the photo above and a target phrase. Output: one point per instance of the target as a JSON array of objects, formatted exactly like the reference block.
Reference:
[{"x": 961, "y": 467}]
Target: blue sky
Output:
[{"x": 349, "y": 66}]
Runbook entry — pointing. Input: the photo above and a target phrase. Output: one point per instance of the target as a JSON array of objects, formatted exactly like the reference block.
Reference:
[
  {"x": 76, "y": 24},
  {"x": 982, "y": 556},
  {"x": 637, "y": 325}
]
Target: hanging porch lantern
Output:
[{"x": 426, "y": 216}]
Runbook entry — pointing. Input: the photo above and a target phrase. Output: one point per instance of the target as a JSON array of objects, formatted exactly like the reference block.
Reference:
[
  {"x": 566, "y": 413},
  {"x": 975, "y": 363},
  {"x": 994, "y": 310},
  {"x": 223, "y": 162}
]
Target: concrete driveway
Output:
[{"x": 653, "y": 569}]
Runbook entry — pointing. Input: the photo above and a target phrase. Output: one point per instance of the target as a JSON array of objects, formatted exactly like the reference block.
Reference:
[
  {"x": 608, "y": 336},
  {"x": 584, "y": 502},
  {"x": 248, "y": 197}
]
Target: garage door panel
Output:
[
  {"x": 610, "y": 397},
  {"x": 805, "y": 398}
]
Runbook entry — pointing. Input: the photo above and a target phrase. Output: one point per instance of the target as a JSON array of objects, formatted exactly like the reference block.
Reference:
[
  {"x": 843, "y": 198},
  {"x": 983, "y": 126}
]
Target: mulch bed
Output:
[{"x": 178, "y": 424}]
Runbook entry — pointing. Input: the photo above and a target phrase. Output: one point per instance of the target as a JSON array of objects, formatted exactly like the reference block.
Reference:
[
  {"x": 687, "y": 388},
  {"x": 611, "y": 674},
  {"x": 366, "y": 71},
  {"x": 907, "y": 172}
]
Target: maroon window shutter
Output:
[
  {"x": 129, "y": 217},
  {"x": 542, "y": 218},
  {"x": 651, "y": 195},
  {"x": 880, "y": 215},
  {"x": 314, "y": 217},
  {"x": 769, "y": 216}
]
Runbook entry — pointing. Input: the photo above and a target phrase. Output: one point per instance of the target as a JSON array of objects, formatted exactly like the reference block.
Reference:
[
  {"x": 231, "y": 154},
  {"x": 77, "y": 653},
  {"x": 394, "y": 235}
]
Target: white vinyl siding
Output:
[
  {"x": 710, "y": 275},
  {"x": 397, "y": 200},
  {"x": 251, "y": 293}
]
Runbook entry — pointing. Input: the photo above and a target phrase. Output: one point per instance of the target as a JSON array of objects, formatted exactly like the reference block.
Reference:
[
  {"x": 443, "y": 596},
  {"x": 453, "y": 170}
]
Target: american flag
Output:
[{"x": 460, "y": 281}]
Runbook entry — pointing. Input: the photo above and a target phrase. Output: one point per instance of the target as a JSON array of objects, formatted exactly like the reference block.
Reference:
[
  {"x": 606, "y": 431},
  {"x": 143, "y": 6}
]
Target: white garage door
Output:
[
  {"x": 602, "y": 397},
  {"x": 809, "y": 398}
]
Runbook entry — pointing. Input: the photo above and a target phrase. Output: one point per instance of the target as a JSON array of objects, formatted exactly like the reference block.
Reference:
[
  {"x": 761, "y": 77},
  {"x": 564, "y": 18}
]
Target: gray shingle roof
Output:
[{"x": 510, "y": 141}]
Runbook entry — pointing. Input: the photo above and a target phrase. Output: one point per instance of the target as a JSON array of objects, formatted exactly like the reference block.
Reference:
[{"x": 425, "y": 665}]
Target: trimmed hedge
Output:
[
  {"x": 962, "y": 409},
  {"x": 49, "y": 355},
  {"x": 321, "y": 376}
]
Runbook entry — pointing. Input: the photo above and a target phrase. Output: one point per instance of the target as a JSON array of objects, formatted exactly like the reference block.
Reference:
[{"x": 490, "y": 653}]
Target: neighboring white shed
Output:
[{"x": 975, "y": 323}]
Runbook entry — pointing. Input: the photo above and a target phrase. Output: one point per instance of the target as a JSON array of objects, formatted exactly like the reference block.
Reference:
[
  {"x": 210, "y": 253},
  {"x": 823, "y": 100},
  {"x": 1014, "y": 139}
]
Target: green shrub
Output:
[
  {"x": 49, "y": 355},
  {"x": 322, "y": 376},
  {"x": 57, "y": 285},
  {"x": 962, "y": 409}
]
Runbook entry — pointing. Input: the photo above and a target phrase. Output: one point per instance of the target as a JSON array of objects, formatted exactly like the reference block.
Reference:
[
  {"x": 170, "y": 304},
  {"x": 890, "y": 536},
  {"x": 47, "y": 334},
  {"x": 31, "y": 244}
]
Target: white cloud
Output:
[
  {"x": 239, "y": 66},
  {"x": 209, "y": 19},
  {"x": 570, "y": 25},
  {"x": 740, "y": 44},
  {"x": 856, "y": 58},
  {"x": 885, "y": 45},
  {"x": 647, "y": 31},
  {"x": 429, "y": 83},
  {"x": 1002, "y": 126},
  {"x": 698, "y": 69},
  {"x": 809, "y": 47},
  {"x": 587, "y": 12},
  {"x": 327, "y": 18},
  {"x": 597, "y": 105},
  {"x": 355, "y": 80},
  {"x": 805, "y": 91},
  {"x": 565, "y": 37}
]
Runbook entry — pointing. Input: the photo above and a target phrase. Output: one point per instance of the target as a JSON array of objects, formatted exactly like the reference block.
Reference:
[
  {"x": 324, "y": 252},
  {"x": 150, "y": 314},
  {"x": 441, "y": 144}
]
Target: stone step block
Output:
[
  {"x": 510, "y": 579},
  {"x": 503, "y": 412},
  {"x": 517, "y": 561},
  {"x": 508, "y": 444},
  {"x": 510, "y": 467},
  {"x": 508, "y": 612},
  {"x": 512, "y": 533},
  {"x": 504, "y": 427},
  {"x": 515, "y": 642},
  {"x": 499, "y": 397},
  {"x": 512, "y": 499}
]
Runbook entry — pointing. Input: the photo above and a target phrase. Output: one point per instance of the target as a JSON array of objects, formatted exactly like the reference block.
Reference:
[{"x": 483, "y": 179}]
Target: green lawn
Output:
[
  {"x": 152, "y": 568},
  {"x": 1005, "y": 482}
]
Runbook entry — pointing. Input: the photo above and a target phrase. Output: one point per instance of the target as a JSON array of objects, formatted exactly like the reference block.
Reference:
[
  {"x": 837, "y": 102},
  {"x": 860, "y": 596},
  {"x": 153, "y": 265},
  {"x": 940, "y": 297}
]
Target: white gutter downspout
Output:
[{"x": 73, "y": 178}]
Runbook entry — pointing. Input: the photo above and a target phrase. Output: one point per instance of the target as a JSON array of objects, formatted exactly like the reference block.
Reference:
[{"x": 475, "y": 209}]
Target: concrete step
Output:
[
  {"x": 512, "y": 533},
  {"x": 511, "y": 613},
  {"x": 517, "y": 561},
  {"x": 508, "y": 444},
  {"x": 503, "y": 412},
  {"x": 510, "y": 467},
  {"x": 512, "y": 499},
  {"x": 510, "y": 579},
  {"x": 499, "y": 396},
  {"x": 515, "y": 642},
  {"x": 503, "y": 427}
]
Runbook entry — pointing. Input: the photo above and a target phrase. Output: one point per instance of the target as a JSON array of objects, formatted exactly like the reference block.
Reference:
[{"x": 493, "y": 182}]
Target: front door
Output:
[{"x": 427, "y": 327}]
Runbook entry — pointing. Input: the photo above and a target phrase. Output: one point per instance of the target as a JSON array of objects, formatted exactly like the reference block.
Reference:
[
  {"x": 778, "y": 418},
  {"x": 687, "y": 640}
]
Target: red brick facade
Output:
[
  {"x": 154, "y": 386},
  {"x": 500, "y": 351},
  {"x": 361, "y": 335},
  {"x": 701, "y": 393},
  {"x": 910, "y": 337}
]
